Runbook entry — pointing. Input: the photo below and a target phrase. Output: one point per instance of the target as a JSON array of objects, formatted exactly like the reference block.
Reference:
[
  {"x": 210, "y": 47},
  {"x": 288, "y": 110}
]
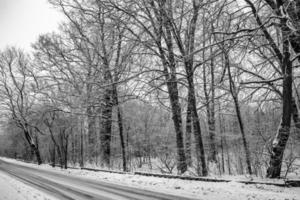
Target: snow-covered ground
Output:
[
  {"x": 196, "y": 189},
  {"x": 12, "y": 189}
]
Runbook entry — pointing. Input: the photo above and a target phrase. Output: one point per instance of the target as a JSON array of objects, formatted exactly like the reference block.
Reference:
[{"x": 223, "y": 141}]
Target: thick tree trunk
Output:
[
  {"x": 176, "y": 111},
  {"x": 281, "y": 138},
  {"x": 33, "y": 146},
  {"x": 169, "y": 64},
  {"x": 187, "y": 53},
  {"x": 105, "y": 128},
  {"x": 239, "y": 115},
  {"x": 37, "y": 154},
  {"x": 106, "y": 117},
  {"x": 176, "y": 116},
  {"x": 116, "y": 100},
  {"x": 196, "y": 124}
]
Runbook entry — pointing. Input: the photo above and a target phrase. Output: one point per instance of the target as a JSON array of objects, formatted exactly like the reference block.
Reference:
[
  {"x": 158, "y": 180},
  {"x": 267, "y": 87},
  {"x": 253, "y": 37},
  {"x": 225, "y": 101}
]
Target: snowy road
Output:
[{"x": 66, "y": 187}]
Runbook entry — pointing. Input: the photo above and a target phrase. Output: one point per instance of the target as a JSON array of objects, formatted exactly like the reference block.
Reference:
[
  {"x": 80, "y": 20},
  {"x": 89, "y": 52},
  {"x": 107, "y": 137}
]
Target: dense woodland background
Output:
[{"x": 198, "y": 87}]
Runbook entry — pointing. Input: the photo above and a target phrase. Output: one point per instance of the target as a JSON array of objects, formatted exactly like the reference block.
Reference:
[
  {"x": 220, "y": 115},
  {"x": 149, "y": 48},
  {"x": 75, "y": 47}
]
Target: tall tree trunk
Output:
[
  {"x": 188, "y": 132},
  {"x": 121, "y": 130},
  {"x": 234, "y": 95},
  {"x": 187, "y": 52},
  {"x": 212, "y": 154},
  {"x": 107, "y": 104},
  {"x": 61, "y": 149},
  {"x": 211, "y": 121},
  {"x": 106, "y": 117},
  {"x": 221, "y": 130},
  {"x": 116, "y": 98},
  {"x": 212, "y": 157},
  {"x": 90, "y": 125},
  {"x": 176, "y": 116},
  {"x": 290, "y": 39},
  {"x": 169, "y": 65},
  {"x": 66, "y": 151},
  {"x": 81, "y": 160},
  {"x": 196, "y": 123},
  {"x": 281, "y": 138},
  {"x": 105, "y": 128}
]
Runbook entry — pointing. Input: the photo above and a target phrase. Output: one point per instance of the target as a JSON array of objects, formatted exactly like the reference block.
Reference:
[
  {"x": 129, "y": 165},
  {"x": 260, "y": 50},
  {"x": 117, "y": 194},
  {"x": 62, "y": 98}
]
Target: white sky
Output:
[{"x": 22, "y": 21}]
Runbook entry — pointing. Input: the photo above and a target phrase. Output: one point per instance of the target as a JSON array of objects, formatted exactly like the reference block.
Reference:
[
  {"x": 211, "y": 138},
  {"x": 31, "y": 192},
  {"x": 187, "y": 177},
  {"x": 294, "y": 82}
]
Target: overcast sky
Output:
[{"x": 21, "y": 21}]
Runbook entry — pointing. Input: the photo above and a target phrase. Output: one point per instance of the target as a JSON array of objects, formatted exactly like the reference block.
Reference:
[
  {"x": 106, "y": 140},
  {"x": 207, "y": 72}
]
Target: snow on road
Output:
[
  {"x": 194, "y": 189},
  {"x": 12, "y": 189}
]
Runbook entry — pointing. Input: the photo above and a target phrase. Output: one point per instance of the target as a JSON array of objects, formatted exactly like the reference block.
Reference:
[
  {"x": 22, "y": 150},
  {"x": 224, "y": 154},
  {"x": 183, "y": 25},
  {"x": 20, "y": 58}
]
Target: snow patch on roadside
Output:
[{"x": 11, "y": 189}]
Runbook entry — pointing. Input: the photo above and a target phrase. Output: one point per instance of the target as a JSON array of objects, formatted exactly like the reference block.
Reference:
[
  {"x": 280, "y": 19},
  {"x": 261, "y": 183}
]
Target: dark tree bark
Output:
[
  {"x": 187, "y": 53},
  {"x": 176, "y": 116},
  {"x": 197, "y": 132},
  {"x": 121, "y": 130},
  {"x": 116, "y": 97},
  {"x": 107, "y": 104},
  {"x": 81, "y": 160},
  {"x": 106, "y": 116},
  {"x": 171, "y": 80},
  {"x": 105, "y": 128},
  {"x": 37, "y": 154},
  {"x": 212, "y": 121},
  {"x": 291, "y": 38},
  {"x": 33, "y": 146},
  {"x": 188, "y": 133},
  {"x": 281, "y": 138},
  {"x": 66, "y": 146},
  {"x": 161, "y": 35},
  {"x": 189, "y": 67}
]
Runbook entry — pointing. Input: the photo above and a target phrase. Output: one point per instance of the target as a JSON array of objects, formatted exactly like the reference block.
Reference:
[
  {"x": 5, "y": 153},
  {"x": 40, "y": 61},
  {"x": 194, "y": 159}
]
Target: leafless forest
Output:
[{"x": 198, "y": 87}]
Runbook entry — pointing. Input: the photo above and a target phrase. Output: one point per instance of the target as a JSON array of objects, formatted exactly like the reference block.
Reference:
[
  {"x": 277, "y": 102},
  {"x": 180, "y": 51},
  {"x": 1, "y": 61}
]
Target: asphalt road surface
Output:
[{"x": 67, "y": 187}]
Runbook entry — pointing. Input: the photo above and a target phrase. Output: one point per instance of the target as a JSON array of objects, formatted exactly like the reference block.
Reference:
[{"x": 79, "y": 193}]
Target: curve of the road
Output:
[{"x": 67, "y": 187}]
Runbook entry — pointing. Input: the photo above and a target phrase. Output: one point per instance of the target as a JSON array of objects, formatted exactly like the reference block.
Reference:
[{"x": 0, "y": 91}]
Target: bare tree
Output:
[{"x": 17, "y": 100}]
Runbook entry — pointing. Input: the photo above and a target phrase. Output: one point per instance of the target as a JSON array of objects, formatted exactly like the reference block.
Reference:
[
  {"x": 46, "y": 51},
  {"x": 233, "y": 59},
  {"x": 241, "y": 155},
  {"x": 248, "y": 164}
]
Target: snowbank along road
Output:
[{"x": 66, "y": 187}]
